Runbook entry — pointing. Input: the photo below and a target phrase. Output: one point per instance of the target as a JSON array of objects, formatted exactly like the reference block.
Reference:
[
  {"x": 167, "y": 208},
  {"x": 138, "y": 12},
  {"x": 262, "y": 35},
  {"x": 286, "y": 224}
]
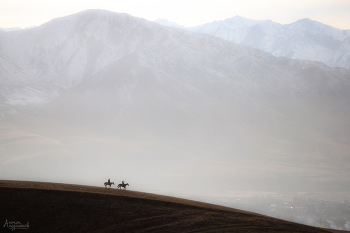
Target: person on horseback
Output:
[
  {"x": 109, "y": 181},
  {"x": 123, "y": 183}
]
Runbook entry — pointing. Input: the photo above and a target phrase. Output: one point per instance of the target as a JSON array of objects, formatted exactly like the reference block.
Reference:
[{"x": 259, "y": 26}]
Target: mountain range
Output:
[
  {"x": 304, "y": 39},
  {"x": 98, "y": 92}
]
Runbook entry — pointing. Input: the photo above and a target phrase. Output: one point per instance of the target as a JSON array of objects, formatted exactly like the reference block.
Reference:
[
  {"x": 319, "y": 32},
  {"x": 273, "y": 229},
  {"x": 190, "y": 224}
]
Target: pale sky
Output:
[{"x": 25, "y": 13}]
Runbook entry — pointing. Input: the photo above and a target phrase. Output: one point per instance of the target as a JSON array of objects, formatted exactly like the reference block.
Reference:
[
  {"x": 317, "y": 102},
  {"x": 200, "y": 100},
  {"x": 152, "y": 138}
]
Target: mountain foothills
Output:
[
  {"x": 303, "y": 39},
  {"x": 99, "y": 93}
]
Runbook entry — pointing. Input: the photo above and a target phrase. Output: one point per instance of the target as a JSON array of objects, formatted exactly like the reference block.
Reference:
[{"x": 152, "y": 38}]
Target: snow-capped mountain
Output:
[
  {"x": 207, "y": 97},
  {"x": 303, "y": 39},
  {"x": 64, "y": 53}
]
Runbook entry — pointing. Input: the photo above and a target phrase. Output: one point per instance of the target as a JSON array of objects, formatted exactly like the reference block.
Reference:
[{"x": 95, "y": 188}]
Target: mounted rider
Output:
[
  {"x": 109, "y": 182},
  {"x": 123, "y": 185}
]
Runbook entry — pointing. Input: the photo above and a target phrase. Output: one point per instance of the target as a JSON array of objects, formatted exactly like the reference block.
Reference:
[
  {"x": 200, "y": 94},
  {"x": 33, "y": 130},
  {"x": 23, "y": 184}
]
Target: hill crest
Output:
[{"x": 80, "y": 208}]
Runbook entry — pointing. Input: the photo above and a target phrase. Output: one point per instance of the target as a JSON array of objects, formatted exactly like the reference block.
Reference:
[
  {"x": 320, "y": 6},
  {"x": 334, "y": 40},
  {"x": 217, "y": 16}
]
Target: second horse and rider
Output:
[{"x": 122, "y": 185}]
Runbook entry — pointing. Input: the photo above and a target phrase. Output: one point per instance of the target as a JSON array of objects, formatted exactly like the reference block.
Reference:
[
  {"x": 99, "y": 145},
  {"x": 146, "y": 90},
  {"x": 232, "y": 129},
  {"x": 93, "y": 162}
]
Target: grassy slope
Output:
[{"x": 52, "y": 207}]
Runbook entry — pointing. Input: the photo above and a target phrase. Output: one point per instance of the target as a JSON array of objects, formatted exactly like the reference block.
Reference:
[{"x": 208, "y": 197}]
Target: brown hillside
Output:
[{"x": 52, "y": 207}]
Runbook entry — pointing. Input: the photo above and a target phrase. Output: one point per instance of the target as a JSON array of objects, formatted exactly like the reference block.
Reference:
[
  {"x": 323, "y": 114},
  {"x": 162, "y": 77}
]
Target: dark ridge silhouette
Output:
[{"x": 53, "y": 207}]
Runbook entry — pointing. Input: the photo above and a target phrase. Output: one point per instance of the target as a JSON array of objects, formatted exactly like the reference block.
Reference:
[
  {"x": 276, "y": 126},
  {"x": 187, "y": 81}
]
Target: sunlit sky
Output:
[{"x": 26, "y": 13}]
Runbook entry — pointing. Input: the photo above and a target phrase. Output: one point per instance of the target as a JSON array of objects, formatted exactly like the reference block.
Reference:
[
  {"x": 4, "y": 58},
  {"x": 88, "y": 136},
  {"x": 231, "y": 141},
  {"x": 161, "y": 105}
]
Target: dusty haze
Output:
[{"x": 100, "y": 95}]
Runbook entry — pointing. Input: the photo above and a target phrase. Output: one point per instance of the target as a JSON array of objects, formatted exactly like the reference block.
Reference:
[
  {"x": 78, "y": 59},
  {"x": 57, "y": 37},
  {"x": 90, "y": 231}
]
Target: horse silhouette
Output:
[
  {"x": 110, "y": 184},
  {"x": 122, "y": 185}
]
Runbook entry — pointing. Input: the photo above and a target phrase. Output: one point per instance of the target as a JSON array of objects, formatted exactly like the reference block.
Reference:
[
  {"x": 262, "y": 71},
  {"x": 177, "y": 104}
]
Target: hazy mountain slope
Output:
[
  {"x": 63, "y": 51},
  {"x": 303, "y": 39},
  {"x": 190, "y": 107}
]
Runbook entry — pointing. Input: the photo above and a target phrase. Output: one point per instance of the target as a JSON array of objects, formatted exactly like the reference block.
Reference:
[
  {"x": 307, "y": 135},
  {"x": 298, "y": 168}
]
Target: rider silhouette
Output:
[
  {"x": 109, "y": 181},
  {"x": 123, "y": 182}
]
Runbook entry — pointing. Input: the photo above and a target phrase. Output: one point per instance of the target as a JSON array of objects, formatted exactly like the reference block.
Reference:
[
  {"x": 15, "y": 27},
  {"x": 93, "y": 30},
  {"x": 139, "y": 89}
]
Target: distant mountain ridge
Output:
[
  {"x": 303, "y": 39},
  {"x": 71, "y": 51}
]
